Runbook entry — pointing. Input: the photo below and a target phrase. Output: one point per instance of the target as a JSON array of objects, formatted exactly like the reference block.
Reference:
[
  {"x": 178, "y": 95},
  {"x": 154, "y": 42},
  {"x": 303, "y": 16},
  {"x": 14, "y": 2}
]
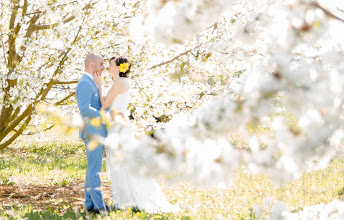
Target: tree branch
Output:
[
  {"x": 141, "y": 89},
  {"x": 327, "y": 12},
  {"x": 66, "y": 4},
  {"x": 65, "y": 56},
  {"x": 3, "y": 47},
  {"x": 15, "y": 113},
  {"x": 70, "y": 18},
  {"x": 12, "y": 37},
  {"x": 171, "y": 60},
  {"x": 15, "y": 122},
  {"x": 55, "y": 82},
  {"x": 44, "y": 92},
  {"x": 6, "y": 112},
  {"x": 19, "y": 132},
  {"x": 14, "y": 14},
  {"x": 64, "y": 99},
  {"x": 24, "y": 8},
  {"x": 32, "y": 25},
  {"x": 36, "y": 132},
  {"x": 17, "y": 29},
  {"x": 13, "y": 59},
  {"x": 50, "y": 26}
]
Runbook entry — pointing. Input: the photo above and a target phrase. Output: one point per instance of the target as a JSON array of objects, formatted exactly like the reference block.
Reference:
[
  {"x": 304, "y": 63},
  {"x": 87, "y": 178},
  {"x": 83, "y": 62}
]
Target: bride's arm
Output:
[{"x": 119, "y": 86}]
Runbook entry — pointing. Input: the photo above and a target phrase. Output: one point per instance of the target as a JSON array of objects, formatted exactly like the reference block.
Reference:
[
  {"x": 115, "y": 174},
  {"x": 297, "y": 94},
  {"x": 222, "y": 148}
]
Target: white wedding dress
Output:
[{"x": 129, "y": 190}]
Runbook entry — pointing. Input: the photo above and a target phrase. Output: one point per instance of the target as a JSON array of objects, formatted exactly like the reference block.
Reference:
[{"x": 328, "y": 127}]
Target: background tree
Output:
[
  {"x": 290, "y": 85},
  {"x": 212, "y": 70},
  {"x": 43, "y": 47},
  {"x": 34, "y": 56}
]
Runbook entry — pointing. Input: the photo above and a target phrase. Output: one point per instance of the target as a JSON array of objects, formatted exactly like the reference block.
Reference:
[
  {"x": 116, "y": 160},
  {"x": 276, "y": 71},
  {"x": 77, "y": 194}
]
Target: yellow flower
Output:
[
  {"x": 96, "y": 122},
  {"x": 104, "y": 117},
  {"x": 123, "y": 67},
  {"x": 92, "y": 145},
  {"x": 109, "y": 124}
]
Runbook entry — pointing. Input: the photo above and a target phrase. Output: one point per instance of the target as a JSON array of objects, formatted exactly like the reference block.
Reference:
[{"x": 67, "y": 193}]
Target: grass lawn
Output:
[{"x": 42, "y": 178}]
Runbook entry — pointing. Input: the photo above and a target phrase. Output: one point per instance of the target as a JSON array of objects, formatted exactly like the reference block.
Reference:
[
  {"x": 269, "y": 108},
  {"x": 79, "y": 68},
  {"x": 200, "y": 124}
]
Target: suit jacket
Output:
[{"x": 87, "y": 96}]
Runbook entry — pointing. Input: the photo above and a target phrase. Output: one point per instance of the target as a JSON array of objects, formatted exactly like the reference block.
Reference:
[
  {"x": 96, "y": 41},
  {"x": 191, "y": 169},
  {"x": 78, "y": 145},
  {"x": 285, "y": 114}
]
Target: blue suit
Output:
[{"x": 89, "y": 106}]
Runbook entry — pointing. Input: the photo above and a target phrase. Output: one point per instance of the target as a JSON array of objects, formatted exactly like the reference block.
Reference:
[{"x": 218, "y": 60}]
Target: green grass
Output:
[
  {"x": 62, "y": 164},
  {"x": 44, "y": 162}
]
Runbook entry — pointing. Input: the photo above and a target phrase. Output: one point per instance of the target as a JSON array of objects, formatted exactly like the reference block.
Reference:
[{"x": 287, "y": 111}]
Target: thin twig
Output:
[
  {"x": 141, "y": 89},
  {"x": 171, "y": 60},
  {"x": 64, "y": 99},
  {"x": 327, "y": 12},
  {"x": 64, "y": 83},
  {"x": 3, "y": 47},
  {"x": 36, "y": 132}
]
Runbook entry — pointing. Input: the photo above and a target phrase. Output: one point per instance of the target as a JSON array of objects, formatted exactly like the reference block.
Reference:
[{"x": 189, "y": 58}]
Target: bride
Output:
[{"x": 128, "y": 190}]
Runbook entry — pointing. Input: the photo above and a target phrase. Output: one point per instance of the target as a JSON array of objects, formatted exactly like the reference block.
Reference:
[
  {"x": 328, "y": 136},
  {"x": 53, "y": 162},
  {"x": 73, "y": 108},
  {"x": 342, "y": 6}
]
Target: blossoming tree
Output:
[
  {"x": 202, "y": 70},
  {"x": 286, "y": 59},
  {"x": 42, "y": 48}
]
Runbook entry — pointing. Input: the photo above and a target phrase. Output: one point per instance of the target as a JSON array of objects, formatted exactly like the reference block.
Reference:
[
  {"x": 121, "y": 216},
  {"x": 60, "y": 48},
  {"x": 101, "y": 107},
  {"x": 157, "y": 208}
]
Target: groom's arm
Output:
[{"x": 84, "y": 96}]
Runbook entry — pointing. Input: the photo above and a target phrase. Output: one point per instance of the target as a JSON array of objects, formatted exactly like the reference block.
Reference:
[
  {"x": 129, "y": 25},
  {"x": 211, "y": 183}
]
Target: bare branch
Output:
[
  {"x": 64, "y": 99},
  {"x": 32, "y": 25},
  {"x": 327, "y": 12},
  {"x": 14, "y": 14},
  {"x": 44, "y": 92},
  {"x": 17, "y": 29},
  {"x": 141, "y": 89},
  {"x": 66, "y": 4},
  {"x": 70, "y": 18},
  {"x": 171, "y": 60},
  {"x": 24, "y": 8},
  {"x": 50, "y": 26},
  {"x": 34, "y": 13},
  {"x": 15, "y": 122},
  {"x": 15, "y": 113},
  {"x": 6, "y": 112},
  {"x": 3, "y": 48},
  {"x": 36, "y": 132},
  {"x": 12, "y": 37},
  {"x": 55, "y": 82},
  {"x": 19, "y": 132}
]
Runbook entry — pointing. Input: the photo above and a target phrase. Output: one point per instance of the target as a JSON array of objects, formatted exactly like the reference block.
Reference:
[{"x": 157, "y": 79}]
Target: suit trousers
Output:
[{"x": 93, "y": 196}]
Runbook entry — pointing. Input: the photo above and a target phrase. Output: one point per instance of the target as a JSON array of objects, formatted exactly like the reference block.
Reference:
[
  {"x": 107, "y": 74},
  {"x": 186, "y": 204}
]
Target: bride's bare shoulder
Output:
[
  {"x": 121, "y": 84},
  {"x": 123, "y": 80},
  {"x": 120, "y": 81}
]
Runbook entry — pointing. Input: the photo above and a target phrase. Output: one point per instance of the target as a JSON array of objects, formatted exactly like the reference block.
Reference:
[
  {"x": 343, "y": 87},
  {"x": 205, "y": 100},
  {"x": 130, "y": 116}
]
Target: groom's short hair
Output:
[{"x": 91, "y": 57}]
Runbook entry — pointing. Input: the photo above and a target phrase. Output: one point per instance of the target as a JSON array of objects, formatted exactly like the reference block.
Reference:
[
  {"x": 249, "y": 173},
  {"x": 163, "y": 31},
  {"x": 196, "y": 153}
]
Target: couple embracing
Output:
[{"x": 128, "y": 190}]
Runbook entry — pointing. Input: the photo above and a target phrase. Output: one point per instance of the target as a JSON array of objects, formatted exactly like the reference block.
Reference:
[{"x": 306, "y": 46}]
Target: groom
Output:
[{"x": 89, "y": 106}]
